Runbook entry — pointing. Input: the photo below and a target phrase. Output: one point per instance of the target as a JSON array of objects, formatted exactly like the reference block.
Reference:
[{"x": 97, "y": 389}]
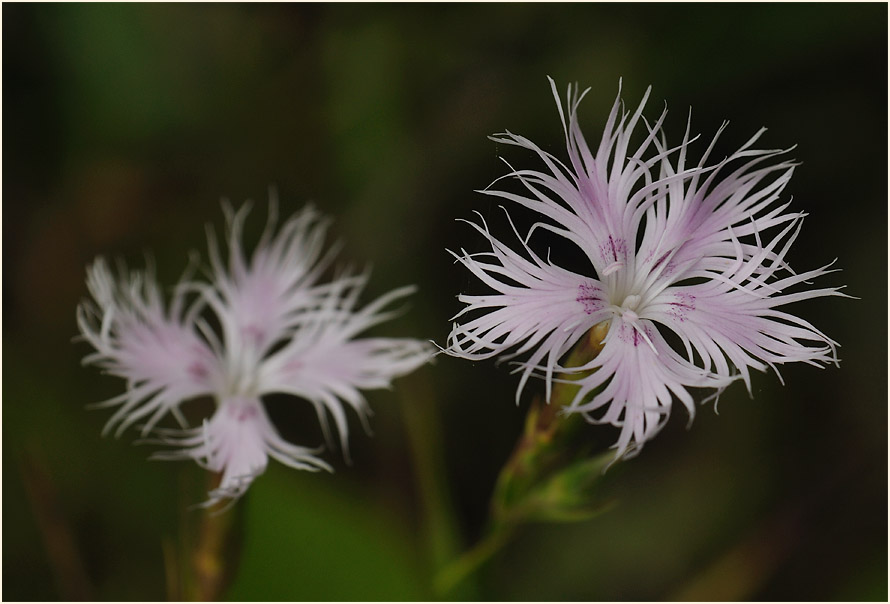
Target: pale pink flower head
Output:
[
  {"x": 688, "y": 251},
  {"x": 259, "y": 325}
]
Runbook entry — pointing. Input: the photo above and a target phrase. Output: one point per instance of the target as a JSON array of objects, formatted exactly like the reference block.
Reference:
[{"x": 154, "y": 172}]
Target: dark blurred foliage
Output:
[{"x": 124, "y": 126}]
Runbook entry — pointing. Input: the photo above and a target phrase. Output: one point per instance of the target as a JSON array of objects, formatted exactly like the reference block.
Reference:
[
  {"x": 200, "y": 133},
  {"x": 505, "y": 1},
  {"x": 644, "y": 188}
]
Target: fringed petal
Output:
[{"x": 157, "y": 350}]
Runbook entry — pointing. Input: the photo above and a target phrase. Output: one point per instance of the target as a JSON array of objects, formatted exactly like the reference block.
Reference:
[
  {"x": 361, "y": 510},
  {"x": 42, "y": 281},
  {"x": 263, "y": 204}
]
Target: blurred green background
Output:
[{"x": 124, "y": 126}]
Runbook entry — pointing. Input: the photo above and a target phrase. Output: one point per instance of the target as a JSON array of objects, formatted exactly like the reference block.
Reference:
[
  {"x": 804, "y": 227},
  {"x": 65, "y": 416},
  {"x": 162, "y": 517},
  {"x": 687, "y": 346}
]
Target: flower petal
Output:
[
  {"x": 681, "y": 244},
  {"x": 259, "y": 301},
  {"x": 237, "y": 441},
  {"x": 721, "y": 323},
  {"x": 157, "y": 351},
  {"x": 538, "y": 307},
  {"x": 326, "y": 366},
  {"x": 638, "y": 374}
]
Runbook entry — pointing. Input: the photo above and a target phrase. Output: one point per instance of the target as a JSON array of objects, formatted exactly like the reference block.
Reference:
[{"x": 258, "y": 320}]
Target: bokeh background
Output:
[{"x": 125, "y": 125}]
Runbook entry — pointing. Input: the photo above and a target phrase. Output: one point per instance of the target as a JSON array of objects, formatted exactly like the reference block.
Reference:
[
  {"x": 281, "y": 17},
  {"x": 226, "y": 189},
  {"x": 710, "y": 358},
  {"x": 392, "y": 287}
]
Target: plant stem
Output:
[
  {"x": 543, "y": 440},
  {"x": 459, "y": 570},
  {"x": 541, "y": 450},
  {"x": 211, "y": 553},
  {"x": 209, "y": 564}
]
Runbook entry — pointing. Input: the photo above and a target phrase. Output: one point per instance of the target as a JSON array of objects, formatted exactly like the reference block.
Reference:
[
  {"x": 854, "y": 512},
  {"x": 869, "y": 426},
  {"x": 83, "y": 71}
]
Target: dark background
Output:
[{"x": 124, "y": 126}]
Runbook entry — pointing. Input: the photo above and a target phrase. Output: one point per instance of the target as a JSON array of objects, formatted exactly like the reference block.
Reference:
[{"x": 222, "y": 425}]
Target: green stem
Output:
[
  {"x": 541, "y": 450},
  {"x": 212, "y": 570},
  {"x": 209, "y": 553},
  {"x": 546, "y": 433},
  {"x": 422, "y": 427},
  {"x": 459, "y": 570}
]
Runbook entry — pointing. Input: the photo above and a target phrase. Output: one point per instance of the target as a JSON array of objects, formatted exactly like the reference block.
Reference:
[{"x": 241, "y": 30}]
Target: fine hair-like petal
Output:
[
  {"x": 694, "y": 249},
  {"x": 262, "y": 323}
]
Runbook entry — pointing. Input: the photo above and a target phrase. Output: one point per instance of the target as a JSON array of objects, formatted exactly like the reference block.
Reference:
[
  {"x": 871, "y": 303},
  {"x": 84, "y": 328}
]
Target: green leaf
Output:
[{"x": 307, "y": 539}]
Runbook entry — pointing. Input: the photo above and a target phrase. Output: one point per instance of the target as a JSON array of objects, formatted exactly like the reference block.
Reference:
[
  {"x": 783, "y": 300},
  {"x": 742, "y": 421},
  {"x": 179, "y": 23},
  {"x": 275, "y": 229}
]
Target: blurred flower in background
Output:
[
  {"x": 123, "y": 124},
  {"x": 691, "y": 248},
  {"x": 281, "y": 332}
]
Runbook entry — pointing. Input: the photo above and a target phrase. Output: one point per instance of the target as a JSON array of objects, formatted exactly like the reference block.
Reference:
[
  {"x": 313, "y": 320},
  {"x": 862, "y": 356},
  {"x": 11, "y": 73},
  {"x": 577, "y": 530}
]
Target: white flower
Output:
[
  {"x": 690, "y": 251},
  {"x": 280, "y": 331}
]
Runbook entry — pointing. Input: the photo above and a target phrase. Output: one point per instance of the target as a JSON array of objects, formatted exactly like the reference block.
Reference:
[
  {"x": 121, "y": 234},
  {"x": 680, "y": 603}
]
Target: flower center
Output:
[
  {"x": 241, "y": 378},
  {"x": 628, "y": 308}
]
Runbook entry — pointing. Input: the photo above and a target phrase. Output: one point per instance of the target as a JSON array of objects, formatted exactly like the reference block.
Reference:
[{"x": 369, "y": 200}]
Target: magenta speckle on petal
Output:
[
  {"x": 198, "y": 370},
  {"x": 630, "y": 333},
  {"x": 660, "y": 260},
  {"x": 665, "y": 269},
  {"x": 247, "y": 413},
  {"x": 243, "y": 411},
  {"x": 254, "y": 334},
  {"x": 589, "y": 296},
  {"x": 293, "y": 365},
  {"x": 626, "y": 333},
  {"x": 682, "y": 306},
  {"x": 613, "y": 250}
]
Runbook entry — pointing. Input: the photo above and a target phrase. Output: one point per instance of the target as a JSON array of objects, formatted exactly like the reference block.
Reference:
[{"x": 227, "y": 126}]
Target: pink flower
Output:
[
  {"x": 280, "y": 331},
  {"x": 690, "y": 251}
]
